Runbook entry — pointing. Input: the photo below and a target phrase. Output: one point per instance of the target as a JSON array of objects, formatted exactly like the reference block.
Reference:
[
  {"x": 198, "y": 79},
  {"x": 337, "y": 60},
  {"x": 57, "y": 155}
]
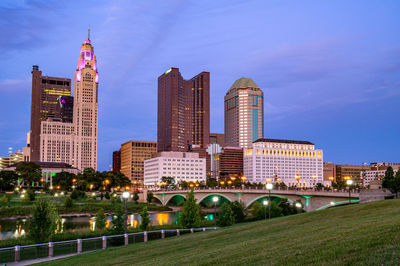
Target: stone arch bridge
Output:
[{"x": 311, "y": 199}]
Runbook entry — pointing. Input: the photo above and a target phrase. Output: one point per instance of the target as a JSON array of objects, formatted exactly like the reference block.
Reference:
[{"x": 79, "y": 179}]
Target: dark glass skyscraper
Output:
[{"x": 183, "y": 111}]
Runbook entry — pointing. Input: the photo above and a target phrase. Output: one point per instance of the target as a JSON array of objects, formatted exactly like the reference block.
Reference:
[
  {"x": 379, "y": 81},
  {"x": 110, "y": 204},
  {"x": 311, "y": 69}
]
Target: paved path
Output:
[{"x": 30, "y": 262}]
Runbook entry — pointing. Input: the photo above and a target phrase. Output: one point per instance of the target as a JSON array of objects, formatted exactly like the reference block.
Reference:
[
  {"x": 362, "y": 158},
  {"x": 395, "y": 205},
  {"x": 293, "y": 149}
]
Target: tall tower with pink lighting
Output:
[{"x": 86, "y": 83}]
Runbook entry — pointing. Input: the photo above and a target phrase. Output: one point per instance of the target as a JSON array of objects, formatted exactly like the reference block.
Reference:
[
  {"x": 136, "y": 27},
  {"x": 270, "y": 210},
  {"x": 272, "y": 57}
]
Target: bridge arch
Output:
[
  {"x": 199, "y": 201},
  {"x": 337, "y": 203},
  {"x": 266, "y": 196},
  {"x": 157, "y": 198},
  {"x": 174, "y": 197}
]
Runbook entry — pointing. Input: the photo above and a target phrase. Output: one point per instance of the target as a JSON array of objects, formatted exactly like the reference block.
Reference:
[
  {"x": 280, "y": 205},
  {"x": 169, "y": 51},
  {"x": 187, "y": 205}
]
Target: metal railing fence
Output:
[{"x": 77, "y": 246}]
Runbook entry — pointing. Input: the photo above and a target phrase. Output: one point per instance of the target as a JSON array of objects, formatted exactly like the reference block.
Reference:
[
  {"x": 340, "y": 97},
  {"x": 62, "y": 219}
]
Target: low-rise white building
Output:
[
  {"x": 182, "y": 166},
  {"x": 375, "y": 174},
  {"x": 296, "y": 163}
]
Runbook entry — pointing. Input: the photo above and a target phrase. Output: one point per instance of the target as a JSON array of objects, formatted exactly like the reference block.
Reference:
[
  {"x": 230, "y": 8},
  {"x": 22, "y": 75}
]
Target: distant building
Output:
[
  {"x": 231, "y": 162},
  {"x": 182, "y": 166},
  {"x": 377, "y": 172},
  {"x": 244, "y": 114},
  {"x": 183, "y": 111},
  {"x": 329, "y": 172},
  {"x": 133, "y": 155},
  {"x": 217, "y": 138},
  {"x": 296, "y": 163},
  {"x": 116, "y": 161},
  {"x": 45, "y": 91},
  {"x": 351, "y": 171},
  {"x": 11, "y": 159}
]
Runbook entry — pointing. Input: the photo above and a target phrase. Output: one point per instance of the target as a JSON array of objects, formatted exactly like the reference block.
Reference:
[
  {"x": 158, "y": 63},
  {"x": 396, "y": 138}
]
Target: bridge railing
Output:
[{"x": 77, "y": 246}]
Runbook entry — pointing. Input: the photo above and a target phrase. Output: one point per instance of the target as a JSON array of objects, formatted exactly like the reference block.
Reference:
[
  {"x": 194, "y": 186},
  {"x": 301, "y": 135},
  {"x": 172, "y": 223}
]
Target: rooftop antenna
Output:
[{"x": 88, "y": 34}]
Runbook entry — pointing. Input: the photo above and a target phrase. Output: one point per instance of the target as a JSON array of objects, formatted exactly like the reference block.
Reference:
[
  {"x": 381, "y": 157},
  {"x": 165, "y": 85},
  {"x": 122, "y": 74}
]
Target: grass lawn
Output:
[{"x": 362, "y": 234}]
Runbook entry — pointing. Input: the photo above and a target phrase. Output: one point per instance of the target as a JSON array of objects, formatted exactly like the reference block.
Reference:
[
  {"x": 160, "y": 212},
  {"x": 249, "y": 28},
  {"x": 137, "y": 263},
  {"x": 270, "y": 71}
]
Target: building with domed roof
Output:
[{"x": 244, "y": 113}]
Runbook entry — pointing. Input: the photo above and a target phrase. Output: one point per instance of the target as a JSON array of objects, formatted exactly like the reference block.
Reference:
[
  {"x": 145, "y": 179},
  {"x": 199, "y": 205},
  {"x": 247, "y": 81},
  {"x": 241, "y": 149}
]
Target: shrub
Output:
[
  {"x": 4, "y": 201},
  {"x": 225, "y": 215},
  {"x": 68, "y": 203},
  {"x": 31, "y": 195},
  {"x": 149, "y": 196},
  {"x": 135, "y": 197},
  {"x": 190, "y": 216},
  {"x": 43, "y": 222},
  {"x": 107, "y": 196},
  {"x": 118, "y": 221},
  {"x": 74, "y": 194}
]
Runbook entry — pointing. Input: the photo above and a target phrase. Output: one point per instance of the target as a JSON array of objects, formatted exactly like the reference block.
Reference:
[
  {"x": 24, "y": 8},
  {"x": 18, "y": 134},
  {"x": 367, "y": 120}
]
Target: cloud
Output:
[{"x": 12, "y": 85}]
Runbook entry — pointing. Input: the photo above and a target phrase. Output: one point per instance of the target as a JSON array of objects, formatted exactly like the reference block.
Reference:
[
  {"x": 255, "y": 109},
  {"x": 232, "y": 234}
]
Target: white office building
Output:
[
  {"x": 182, "y": 166},
  {"x": 296, "y": 163}
]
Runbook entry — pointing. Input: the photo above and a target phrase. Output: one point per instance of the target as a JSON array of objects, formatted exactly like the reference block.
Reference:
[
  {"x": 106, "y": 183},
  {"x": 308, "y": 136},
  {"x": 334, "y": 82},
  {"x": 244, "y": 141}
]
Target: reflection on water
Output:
[{"x": 18, "y": 227}]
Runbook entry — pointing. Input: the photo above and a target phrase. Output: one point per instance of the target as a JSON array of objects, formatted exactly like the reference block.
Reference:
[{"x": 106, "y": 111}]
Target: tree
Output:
[
  {"x": 212, "y": 182},
  {"x": 238, "y": 211},
  {"x": 89, "y": 179},
  {"x": 30, "y": 193},
  {"x": 168, "y": 181},
  {"x": 145, "y": 219},
  {"x": 29, "y": 172},
  {"x": 190, "y": 216},
  {"x": 135, "y": 197},
  {"x": 64, "y": 180},
  {"x": 389, "y": 176},
  {"x": 44, "y": 220},
  {"x": 258, "y": 211},
  {"x": 8, "y": 180},
  {"x": 4, "y": 201},
  {"x": 225, "y": 215},
  {"x": 287, "y": 208},
  {"x": 118, "y": 221},
  {"x": 100, "y": 219},
  {"x": 149, "y": 196},
  {"x": 319, "y": 185},
  {"x": 395, "y": 183}
]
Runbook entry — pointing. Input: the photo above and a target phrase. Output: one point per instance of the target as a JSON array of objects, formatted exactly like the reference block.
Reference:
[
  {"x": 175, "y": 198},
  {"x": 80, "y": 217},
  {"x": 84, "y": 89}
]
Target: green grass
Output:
[{"x": 362, "y": 234}]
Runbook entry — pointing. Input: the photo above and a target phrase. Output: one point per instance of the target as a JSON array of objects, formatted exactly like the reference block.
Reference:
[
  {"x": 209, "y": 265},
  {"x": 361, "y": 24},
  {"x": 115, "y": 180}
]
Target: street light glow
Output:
[
  {"x": 265, "y": 202},
  {"x": 298, "y": 204},
  {"x": 349, "y": 182},
  {"x": 126, "y": 195},
  {"x": 215, "y": 199},
  {"x": 269, "y": 186},
  {"x": 332, "y": 203}
]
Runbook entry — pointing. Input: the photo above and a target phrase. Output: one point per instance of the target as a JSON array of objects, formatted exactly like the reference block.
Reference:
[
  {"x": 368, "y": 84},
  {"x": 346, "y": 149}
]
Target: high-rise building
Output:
[
  {"x": 244, "y": 113},
  {"x": 116, "y": 160},
  {"x": 86, "y": 83},
  {"x": 183, "y": 111},
  {"x": 231, "y": 162},
  {"x": 296, "y": 163},
  {"x": 45, "y": 91},
  {"x": 133, "y": 155}
]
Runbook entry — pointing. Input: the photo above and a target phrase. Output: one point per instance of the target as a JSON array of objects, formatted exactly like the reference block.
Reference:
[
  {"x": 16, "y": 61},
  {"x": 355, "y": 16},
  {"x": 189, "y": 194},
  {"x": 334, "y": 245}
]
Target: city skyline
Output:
[{"x": 347, "y": 71}]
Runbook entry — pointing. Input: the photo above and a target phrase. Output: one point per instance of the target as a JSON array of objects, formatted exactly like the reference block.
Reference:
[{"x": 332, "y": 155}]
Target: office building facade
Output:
[
  {"x": 183, "y": 111},
  {"x": 133, "y": 155},
  {"x": 182, "y": 166},
  {"x": 244, "y": 113},
  {"x": 45, "y": 92},
  {"x": 116, "y": 161},
  {"x": 296, "y": 163}
]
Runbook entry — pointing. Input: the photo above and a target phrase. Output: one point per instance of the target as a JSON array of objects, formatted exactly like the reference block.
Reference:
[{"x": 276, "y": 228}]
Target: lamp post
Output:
[
  {"x": 265, "y": 203},
  {"x": 349, "y": 182},
  {"x": 125, "y": 196},
  {"x": 215, "y": 200},
  {"x": 269, "y": 186}
]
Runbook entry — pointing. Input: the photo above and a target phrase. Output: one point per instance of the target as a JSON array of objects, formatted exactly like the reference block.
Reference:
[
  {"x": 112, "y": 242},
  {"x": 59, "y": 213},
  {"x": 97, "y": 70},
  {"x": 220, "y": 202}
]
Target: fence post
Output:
[
  {"x": 144, "y": 236},
  {"x": 16, "y": 253},
  {"x": 126, "y": 239},
  {"x": 79, "y": 247},
  {"x": 51, "y": 249},
  {"x": 178, "y": 233},
  {"x": 162, "y": 234},
  {"x": 104, "y": 242},
  {"x": 204, "y": 229},
  {"x": 191, "y": 230}
]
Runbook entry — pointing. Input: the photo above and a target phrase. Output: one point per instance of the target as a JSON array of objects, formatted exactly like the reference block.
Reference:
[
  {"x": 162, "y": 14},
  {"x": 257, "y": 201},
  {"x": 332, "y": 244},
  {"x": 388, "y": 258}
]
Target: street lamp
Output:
[
  {"x": 349, "y": 182},
  {"x": 298, "y": 205},
  {"x": 269, "y": 186},
  {"x": 125, "y": 196},
  {"x": 265, "y": 203},
  {"x": 215, "y": 200}
]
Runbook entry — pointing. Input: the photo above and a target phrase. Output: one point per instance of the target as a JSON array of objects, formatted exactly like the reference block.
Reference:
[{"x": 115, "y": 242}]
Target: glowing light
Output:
[
  {"x": 269, "y": 186},
  {"x": 96, "y": 79},
  {"x": 298, "y": 205},
  {"x": 265, "y": 202},
  {"x": 215, "y": 199},
  {"x": 78, "y": 76}
]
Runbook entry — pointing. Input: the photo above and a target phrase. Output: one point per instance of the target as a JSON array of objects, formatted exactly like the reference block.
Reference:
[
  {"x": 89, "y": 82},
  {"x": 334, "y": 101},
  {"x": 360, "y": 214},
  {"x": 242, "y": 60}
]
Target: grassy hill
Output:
[{"x": 362, "y": 234}]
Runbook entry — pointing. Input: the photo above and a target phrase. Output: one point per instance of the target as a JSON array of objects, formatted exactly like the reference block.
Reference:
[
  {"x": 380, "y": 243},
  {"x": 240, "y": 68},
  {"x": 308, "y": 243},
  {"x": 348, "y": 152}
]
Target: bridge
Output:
[{"x": 311, "y": 199}]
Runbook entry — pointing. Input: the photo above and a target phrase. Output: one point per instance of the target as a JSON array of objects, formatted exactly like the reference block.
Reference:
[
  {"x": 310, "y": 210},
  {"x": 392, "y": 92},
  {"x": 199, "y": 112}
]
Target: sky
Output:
[{"x": 330, "y": 70}]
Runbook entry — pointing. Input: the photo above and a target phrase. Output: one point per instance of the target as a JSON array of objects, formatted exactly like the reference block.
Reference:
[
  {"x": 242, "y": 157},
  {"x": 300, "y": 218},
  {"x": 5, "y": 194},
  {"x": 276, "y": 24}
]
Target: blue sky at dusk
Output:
[{"x": 330, "y": 70}]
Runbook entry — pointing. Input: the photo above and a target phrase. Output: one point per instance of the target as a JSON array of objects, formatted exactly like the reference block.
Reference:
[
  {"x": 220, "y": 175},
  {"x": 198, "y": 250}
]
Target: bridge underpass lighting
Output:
[
  {"x": 298, "y": 204},
  {"x": 332, "y": 203},
  {"x": 265, "y": 202},
  {"x": 215, "y": 199}
]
